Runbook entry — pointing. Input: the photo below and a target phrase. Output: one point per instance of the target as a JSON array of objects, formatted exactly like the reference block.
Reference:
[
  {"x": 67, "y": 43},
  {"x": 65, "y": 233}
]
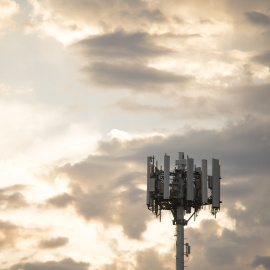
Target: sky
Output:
[{"x": 89, "y": 89}]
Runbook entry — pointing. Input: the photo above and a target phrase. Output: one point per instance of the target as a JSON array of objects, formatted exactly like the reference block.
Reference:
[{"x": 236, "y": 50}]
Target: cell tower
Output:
[{"x": 181, "y": 190}]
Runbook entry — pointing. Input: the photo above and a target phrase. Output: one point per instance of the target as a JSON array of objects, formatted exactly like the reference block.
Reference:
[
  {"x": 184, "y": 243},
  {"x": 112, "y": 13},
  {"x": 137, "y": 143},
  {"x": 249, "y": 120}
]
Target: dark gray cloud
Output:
[
  {"x": 208, "y": 251},
  {"x": 60, "y": 200},
  {"x": 154, "y": 15},
  {"x": 258, "y": 18},
  {"x": 95, "y": 184},
  {"x": 229, "y": 144},
  {"x": 88, "y": 171},
  {"x": 136, "y": 77},
  {"x": 66, "y": 264},
  {"x": 263, "y": 58},
  {"x": 121, "y": 45},
  {"x": 252, "y": 99},
  {"x": 253, "y": 219},
  {"x": 55, "y": 242},
  {"x": 95, "y": 204},
  {"x": 233, "y": 249},
  {"x": 247, "y": 4},
  {"x": 131, "y": 212},
  {"x": 106, "y": 202},
  {"x": 262, "y": 260}
]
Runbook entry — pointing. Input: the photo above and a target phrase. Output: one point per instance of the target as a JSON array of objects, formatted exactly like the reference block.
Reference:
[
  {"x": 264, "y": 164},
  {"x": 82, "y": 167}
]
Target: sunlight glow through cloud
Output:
[
  {"x": 89, "y": 89},
  {"x": 62, "y": 29},
  {"x": 8, "y": 9}
]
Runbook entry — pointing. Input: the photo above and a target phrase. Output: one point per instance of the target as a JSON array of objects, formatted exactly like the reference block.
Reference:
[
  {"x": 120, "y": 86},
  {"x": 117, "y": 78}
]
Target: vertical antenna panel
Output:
[
  {"x": 204, "y": 182},
  {"x": 190, "y": 188},
  {"x": 148, "y": 180},
  {"x": 152, "y": 184},
  {"x": 216, "y": 183},
  {"x": 181, "y": 161},
  {"x": 181, "y": 155},
  {"x": 166, "y": 194}
]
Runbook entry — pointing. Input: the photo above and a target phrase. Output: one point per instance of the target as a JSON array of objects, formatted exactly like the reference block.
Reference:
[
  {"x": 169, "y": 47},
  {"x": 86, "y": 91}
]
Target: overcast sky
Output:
[{"x": 89, "y": 89}]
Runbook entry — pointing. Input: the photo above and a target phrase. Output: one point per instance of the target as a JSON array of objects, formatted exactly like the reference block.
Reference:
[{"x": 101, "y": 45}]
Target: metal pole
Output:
[
  {"x": 180, "y": 221},
  {"x": 180, "y": 239}
]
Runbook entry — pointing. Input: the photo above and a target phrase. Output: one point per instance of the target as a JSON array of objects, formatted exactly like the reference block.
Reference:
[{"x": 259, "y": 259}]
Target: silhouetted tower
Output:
[{"x": 182, "y": 191}]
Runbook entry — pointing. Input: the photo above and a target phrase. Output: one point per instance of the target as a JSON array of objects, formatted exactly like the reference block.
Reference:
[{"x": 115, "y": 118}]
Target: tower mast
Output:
[{"x": 179, "y": 191}]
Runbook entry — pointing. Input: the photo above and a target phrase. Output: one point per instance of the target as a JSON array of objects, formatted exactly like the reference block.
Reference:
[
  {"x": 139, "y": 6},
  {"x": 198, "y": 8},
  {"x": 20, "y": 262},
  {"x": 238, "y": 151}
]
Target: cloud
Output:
[
  {"x": 14, "y": 201},
  {"x": 12, "y": 198},
  {"x": 154, "y": 15},
  {"x": 53, "y": 242},
  {"x": 229, "y": 143},
  {"x": 236, "y": 102},
  {"x": 229, "y": 250},
  {"x": 252, "y": 99},
  {"x": 96, "y": 185},
  {"x": 258, "y": 18},
  {"x": 209, "y": 251},
  {"x": 261, "y": 260},
  {"x": 9, "y": 234},
  {"x": 60, "y": 200},
  {"x": 135, "y": 77},
  {"x": 150, "y": 259},
  {"x": 107, "y": 187},
  {"x": 147, "y": 46},
  {"x": 262, "y": 58},
  {"x": 8, "y": 10},
  {"x": 69, "y": 22},
  {"x": 120, "y": 60},
  {"x": 16, "y": 188},
  {"x": 140, "y": 54},
  {"x": 177, "y": 107},
  {"x": 144, "y": 259},
  {"x": 121, "y": 45},
  {"x": 106, "y": 202},
  {"x": 100, "y": 15},
  {"x": 66, "y": 264}
]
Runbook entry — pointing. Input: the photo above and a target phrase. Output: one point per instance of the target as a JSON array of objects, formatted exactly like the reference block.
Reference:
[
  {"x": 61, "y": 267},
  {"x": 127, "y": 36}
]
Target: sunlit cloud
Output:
[
  {"x": 9, "y": 9},
  {"x": 89, "y": 89}
]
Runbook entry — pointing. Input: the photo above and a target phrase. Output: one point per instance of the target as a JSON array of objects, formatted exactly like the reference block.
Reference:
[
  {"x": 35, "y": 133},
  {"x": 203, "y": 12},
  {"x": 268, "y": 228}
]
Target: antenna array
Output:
[{"x": 182, "y": 191}]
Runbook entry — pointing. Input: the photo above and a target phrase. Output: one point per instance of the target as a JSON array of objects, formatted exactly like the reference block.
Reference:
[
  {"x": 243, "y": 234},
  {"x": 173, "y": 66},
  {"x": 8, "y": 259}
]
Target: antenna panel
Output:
[
  {"x": 181, "y": 155},
  {"x": 190, "y": 188},
  {"x": 181, "y": 162},
  {"x": 152, "y": 184},
  {"x": 204, "y": 182},
  {"x": 148, "y": 180},
  {"x": 216, "y": 183},
  {"x": 166, "y": 194}
]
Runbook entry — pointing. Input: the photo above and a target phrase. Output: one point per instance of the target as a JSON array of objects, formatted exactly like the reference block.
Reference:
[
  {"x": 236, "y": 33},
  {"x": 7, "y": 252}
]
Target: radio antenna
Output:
[{"x": 180, "y": 190}]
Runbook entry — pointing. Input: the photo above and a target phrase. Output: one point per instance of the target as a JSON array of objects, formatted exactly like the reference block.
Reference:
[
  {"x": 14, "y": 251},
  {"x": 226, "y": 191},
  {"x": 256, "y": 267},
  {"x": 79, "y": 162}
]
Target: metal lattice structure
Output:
[{"x": 181, "y": 190}]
